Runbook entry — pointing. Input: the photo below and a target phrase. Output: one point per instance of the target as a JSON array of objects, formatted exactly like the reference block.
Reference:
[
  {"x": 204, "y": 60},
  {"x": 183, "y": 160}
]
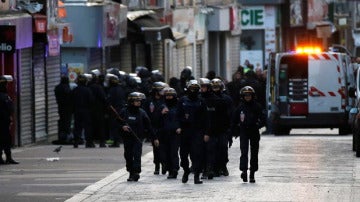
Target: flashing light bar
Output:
[{"x": 308, "y": 50}]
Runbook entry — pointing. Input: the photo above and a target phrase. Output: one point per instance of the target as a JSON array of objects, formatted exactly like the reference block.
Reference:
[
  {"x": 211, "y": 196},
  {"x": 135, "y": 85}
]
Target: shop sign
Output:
[
  {"x": 54, "y": 43},
  {"x": 7, "y": 38},
  {"x": 253, "y": 16}
]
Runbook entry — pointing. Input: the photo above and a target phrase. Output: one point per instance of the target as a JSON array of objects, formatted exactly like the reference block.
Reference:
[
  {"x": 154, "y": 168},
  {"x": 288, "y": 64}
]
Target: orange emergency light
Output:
[{"x": 308, "y": 50}]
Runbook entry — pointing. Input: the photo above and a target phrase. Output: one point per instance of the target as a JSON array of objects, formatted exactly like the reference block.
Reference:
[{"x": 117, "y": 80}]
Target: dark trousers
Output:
[
  {"x": 114, "y": 130},
  {"x": 169, "y": 150},
  {"x": 64, "y": 124},
  {"x": 252, "y": 139},
  {"x": 216, "y": 153},
  {"x": 132, "y": 154},
  {"x": 157, "y": 155},
  {"x": 5, "y": 140},
  {"x": 98, "y": 128},
  {"x": 191, "y": 144},
  {"x": 82, "y": 122}
]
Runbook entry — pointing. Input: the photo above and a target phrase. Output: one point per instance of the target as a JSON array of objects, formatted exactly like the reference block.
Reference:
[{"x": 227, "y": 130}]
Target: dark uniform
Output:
[
  {"x": 169, "y": 133},
  {"x": 98, "y": 112},
  {"x": 246, "y": 121},
  {"x": 65, "y": 109},
  {"x": 135, "y": 122},
  {"x": 83, "y": 101},
  {"x": 193, "y": 123},
  {"x": 6, "y": 111},
  {"x": 152, "y": 106},
  {"x": 219, "y": 129},
  {"x": 209, "y": 147},
  {"x": 117, "y": 99}
]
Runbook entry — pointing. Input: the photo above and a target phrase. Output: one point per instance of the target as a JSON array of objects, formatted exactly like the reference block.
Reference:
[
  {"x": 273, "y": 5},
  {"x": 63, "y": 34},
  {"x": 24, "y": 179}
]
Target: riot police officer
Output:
[
  {"x": 83, "y": 100},
  {"x": 117, "y": 99},
  {"x": 65, "y": 109},
  {"x": 6, "y": 111},
  {"x": 169, "y": 133},
  {"x": 134, "y": 123},
  {"x": 98, "y": 109},
  {"x": 152, "y": 107},
  {"x": 209, "y": 147},
  {"x": 220, "y": 130},
  {"x": 192, "y": 115},
  {"x": 246, "y": 122}
]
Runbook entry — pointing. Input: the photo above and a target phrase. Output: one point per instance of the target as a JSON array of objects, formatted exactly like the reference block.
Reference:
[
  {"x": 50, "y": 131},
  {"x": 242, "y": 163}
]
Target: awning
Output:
[
  {"x": 145, "y": 27},
  {"x": 180, "y": 40}
]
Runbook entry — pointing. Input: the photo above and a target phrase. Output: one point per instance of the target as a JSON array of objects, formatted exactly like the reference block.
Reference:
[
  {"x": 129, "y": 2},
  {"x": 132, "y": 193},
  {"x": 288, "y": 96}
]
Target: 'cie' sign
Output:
[{"x": 7, "y": 38}]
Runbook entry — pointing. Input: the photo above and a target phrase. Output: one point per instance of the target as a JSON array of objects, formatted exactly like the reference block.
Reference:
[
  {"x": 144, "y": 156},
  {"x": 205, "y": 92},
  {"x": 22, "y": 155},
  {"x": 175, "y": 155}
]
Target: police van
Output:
[{"x": 309, "y": 88}]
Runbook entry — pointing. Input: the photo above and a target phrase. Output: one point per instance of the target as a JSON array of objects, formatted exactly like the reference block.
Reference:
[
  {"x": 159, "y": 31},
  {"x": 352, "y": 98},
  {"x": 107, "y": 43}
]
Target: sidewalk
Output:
[{"x": 291, "y": 168}]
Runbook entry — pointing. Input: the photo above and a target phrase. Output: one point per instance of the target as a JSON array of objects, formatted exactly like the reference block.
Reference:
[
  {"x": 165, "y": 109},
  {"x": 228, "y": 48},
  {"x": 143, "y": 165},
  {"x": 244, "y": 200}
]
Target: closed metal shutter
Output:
[
  {"x": 235, "y": 53},
  {"x": 95, "y": 59},
  {"x": 180, "y": 61},
  {"x": 125, "y": 57},
  {"x": 189, "y": 53},
  {"x": 140, "y": 55},
  {"x": 39, "y": 91},
  {"x": 53, "y": 78},
  {"x": 25, "y": 97},
  {"x": 199, "y": 63},
  {"x": 158, "y": 57}
]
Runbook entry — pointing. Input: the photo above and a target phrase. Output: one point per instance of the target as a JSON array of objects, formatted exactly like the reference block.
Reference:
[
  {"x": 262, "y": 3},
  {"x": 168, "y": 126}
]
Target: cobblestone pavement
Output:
[{"x": 291, "y": 168}]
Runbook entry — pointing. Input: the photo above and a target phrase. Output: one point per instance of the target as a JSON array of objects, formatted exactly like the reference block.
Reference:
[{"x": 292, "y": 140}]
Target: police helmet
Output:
[
  {"x": 159, "y": 86},
  {"x": 247, "y": 90},
  {"x": 193, "y": 86},
  {"x": 217, "y": 84},
  {"x": 113, "y": 79},
  {"x": 169, "y": 92},
  {"x": 204, "y": 82},
  {"x": 95, "y": 72},
  {"x": 81, "y": 79},
  {"x": 136, "y": 96}
]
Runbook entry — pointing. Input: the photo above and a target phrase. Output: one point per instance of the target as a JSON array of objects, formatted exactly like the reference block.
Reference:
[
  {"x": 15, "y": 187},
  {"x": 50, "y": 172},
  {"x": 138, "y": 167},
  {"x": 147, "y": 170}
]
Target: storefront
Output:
[
  {"x": 224, "y": 31},
  {"x": 258, "y": 37},
  {"x": 16, "y": 60},
  {"x": 96, "y": 27},
  {"x": 144, "y": 45}
]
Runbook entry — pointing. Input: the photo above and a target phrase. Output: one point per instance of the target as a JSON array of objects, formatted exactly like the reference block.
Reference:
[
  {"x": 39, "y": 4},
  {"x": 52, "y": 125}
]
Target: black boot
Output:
[
  {"x": 244, "y": 176},
  {"x": 252, "y": 177},
  {"x": 131, "y": 178},
  {"x": 197, "y": 179},
  {"x": 172, "y": 175},
  {"x": 185, "y": 177},
  {"x": 9, "y": 159},
  {"x": 225, "y": 171},
  {"x": 157, "y": 169},
  {"x": 89, "y": 144},
  {"x": 163, "y": 169},
  {"x": 136, "y": 177},
  {"x": 102, "y": 144}
]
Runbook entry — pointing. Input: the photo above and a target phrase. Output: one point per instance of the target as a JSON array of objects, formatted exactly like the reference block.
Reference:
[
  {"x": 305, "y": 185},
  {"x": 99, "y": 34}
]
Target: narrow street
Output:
[{"x": 307, "y": 165}]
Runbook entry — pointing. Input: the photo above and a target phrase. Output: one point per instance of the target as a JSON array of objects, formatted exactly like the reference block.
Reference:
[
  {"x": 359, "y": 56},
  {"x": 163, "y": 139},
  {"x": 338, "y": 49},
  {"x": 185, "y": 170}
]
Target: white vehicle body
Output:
[{"x": 310, "y": 91}]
